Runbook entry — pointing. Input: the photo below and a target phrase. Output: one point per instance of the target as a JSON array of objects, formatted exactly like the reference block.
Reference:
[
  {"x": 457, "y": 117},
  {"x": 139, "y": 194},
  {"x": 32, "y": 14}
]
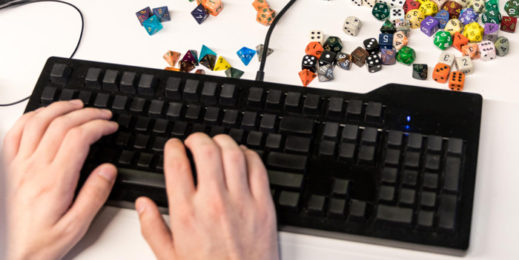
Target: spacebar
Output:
[{"x": 142, "y": 178}]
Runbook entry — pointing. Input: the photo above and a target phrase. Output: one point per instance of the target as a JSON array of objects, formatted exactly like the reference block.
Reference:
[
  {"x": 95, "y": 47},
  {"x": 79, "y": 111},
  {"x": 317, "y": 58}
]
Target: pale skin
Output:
[{"x": 229, "y": 214}]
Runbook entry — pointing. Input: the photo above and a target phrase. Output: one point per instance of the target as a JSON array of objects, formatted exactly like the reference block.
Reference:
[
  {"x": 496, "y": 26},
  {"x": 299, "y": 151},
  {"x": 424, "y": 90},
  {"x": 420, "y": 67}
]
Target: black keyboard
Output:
[{"x": 397, "y": 163}]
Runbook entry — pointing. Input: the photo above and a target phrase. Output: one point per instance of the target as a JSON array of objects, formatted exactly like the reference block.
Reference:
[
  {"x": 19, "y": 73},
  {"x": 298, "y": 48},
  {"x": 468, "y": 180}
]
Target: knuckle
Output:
[
  {"x": 208, "y": 151},
  {"x": 234, "y": 155},
  {"x": 76, "y": 133},
  {"x": 59, "y": 123}
]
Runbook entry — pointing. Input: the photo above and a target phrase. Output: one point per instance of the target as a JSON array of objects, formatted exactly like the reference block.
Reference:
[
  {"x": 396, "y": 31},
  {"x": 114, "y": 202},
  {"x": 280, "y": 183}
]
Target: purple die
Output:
[
  {"x": 200, "y": 14},
  {"x": 468, "y": 15},
  {"x": 491, "y": 31},
  {"x": 388, "y": 56},
  {"x": 429, "y": 26},
  {"x": 162, "y": 13},
  {"x": 443, "y": 17},
  {"x": 143, "y": 14}
]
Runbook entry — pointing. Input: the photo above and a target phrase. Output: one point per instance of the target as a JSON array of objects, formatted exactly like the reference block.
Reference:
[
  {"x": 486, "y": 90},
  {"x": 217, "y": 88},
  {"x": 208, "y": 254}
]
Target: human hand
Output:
[
  {"x": 44, "y": 153},
  {"x": 228, "y": 215}
]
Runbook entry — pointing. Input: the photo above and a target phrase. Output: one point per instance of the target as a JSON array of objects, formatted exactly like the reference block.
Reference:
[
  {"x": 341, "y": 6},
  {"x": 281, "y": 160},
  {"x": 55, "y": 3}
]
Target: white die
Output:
[
  {"x": 370, "y": 3},
  {"x": 487, "y": 50},
  {"x": 395, "y": 3},
  {"x": 447, "y": 58},
  {"x": 464, "y": 64},
  {"x": 352, "y": 25},
  {"x": 316, "y": 36},
  {"x": 396, "y": 13},
  {"x": 357, "y": 2}
]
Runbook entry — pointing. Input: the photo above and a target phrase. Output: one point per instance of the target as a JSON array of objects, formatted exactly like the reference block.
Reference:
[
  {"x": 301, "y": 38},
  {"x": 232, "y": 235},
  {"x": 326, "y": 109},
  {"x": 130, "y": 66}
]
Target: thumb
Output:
[{"x": 154, "y": 229}]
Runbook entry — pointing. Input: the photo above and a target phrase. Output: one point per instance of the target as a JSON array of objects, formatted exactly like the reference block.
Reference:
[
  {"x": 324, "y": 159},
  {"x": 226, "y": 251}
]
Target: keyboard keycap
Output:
[
  {"x": 452, "y": 174},
  {"x": 447, "y": 211},
  {"x": 316, "y": 204},
  {"x": 147, "y": 84},
  {"x": 354, "y": 108},
  {"x": 285, "y": 179},
  {"x": 191, "y": 90},
  {"x": 173, "y": 88},
  {"x": 292, "y": 101},
  {"x": 289, "y": 199},
  {"x": 174, "y": 110},
  {"x": 273, "y": 141},
  {"x": 434, "y": 143},
  {"x": 160, "y": 126},
  {"x": 230, "y": 117},
  {"x": 373, "y": 111},
  {"x": 268, "y": 122},
  {"x": 336, "y": 207},
  {"x": 394, "y": 214},
  {"x": 455, "y": 146},
  {"x": 254, "y": 139},
  {"x": 128, "y": 82},
  {"x": 48, "y": 95},
  {"x": 228, "y": 94},
  {"x": 60, "y": 73},
  {"x": 297, "y": 144},
  {"x": 296, "y": 125},
  {"x": 331, "y": 130},
  {"x": 335, "y": 107},
  {"x": 287, "y": 161},
  {"x": 120, "y": 102},
  {"x": 209, "y": 93},
  {"x": 415, "y": 141},
  {"x": 137, "y": 104},
  {"x": 394, "y": 138},
  {"x": 101, "y": 100},
  {"x": 212, "y": 115},
  {"x": 110, "y": 80},
  {"x": 350, "y": 132},
  {"x": 255, "y": 97},
  {"x": 93, "y": 78},
  {"x": 369, "y": 135},
  {"x": 311, "y": 104},
  {"x": 248, "y": 120},
  {"x": 273, "y": 99},
  {"x": 156, "y": 107},
  {"x": 327, "y": 148}
]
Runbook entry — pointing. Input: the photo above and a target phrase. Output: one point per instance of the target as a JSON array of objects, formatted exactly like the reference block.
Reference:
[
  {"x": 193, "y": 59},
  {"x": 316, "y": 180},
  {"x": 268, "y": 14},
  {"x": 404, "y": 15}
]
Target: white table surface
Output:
[{"x": 32, "y": 33}]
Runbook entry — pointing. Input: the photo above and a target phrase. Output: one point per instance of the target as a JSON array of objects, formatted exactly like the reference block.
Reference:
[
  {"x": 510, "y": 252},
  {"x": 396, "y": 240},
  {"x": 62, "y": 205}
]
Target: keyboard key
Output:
[
  {"x": 124, "y": 121},
  {"x": 367, "y": 153},
  {"x": 159, "y": 143},
  {"x": 198, "y": 128},
  {"x": 311, "y": 104},
  {"x": 144, "y": 160},
  {"x": 316, "y": 204},
  {"x": 230, "y": 117},
  {"x": 447, "y": 211},
  {"x": 298, "y": 125},
  {"x": 428, "y": 199},
  {"x": 93, "y": 78},
  {"x": 142, "y": 124},
  {"x": 141, "y": 178},
  {"x": 160, "y": 126},
  {"x": 407, "y": 196},
  {"x": 389, "y": 174},
  {"x": 120, "y": 102},
  {"x": 297, "y": 144},
  {"x": 48, "y": 95},
  {"x": 126, "y": 157},
  {"x": 268, "y": 122},
  {"x": 331, "y": 130},
  {"x": 425, "y": 218},
  {"x": 432, "y": 162},
  {"x": 179, "y": 129},
  {"x": 254, "y": 139},
  {"x": 414, "y": 141},
  {"x": 273, "y": 100},
  {"x": 85, "y": 96},
  {"x": 289, "y": 199},
  {"x": 357, "y": 209},
  {"x": 394, "y": 214},
  {"x": 110, "y": 80},
  {"x": 373, "y": 111},
  {"x": 335, "y": 107},
  {"x": 174, "y": 110},
  {"x": 60, "y": 73},
  {"x": 455, "y": 146},
  {"x": 392, "y": 156},
  {"x": 273, "y": 141},
  {"x": 212, "y": 114},
  {"x": 248, "y": 120},
  {"x": 347, "y": 151},
  {"x": 156, "y": 107},
  {"x": 430, "y": 181},
  {"x": 209, "y": 90},
  {"x": 369, "y": 135},
  {"x": 412, "y": 159},
  {"x": 340, "y": 187},
  {"x": 172, "y": 88},
  {"x": 285, "y": 179},
  {"x": 237, "y": 135},
  {"x": 193, "y": 112},
  {"x": 410, "y": 177},
  {"x": 292, "y": 101},
  {"x": 147, "y": 84},
  {"x": 287, "y": 161},
  {"x": 101, "y": 100},
  {"x": 336, "y": 207},
  {"x": 327, "y": 148},
  {"x": 122, "y": 139},
  {"x": 141, "y": 141},
  {"x": 191, "y": 90},
  {"x": 386, "y": 193},
  {"x": 227, "y": 95},
  {"x": 354, "y": 108},
  {"x": 137, "y": 105},
  {"x": 216, "y": 130},
  {"x": 434, "y": 143},
  {"x": 349, "y": 132},
  {"x": 128, "y": 82},
  {"x": 255, "y": 97},
  {"x": 452, "y": 174},
  {"x": 394, "y": 138}
]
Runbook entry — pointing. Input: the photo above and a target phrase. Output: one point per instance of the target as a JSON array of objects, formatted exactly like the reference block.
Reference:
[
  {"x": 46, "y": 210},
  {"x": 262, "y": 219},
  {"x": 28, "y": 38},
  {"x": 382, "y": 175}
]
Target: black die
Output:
[
  {"x": 374, "y": 63},
  {"x": 328, "y": 57},
  {"x": 371, "y": 45},
  {"x": 309, "y": 63}
]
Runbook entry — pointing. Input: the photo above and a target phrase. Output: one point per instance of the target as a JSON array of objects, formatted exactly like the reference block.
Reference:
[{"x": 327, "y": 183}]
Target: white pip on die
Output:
[
  {"x": 357, "y": 2},
  {"x": 396, "y": 15},
  {"x": 352, "y": 25},
  {"x": 464, "y": 64},
  {"x": 395, "y": 3},
  {"x": 487, "y": 50},
  {"x": 316, "y": 36},
  {"x": 447, "y": 58}
]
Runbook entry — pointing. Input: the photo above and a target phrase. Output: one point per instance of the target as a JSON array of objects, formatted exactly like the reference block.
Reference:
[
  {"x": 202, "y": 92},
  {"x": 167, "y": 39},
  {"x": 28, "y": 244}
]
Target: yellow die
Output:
[
  {"x": 453, "y": 26},
  {"x": 415, "y": 18},
  {"x": 473, "y": 32},
  {"x": 422, "y": 1},
  {"x": 429, "y": 8}
]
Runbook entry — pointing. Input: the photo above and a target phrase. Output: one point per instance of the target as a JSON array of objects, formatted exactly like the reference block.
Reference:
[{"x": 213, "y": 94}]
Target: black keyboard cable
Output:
[{"x": 8, "y": 4}]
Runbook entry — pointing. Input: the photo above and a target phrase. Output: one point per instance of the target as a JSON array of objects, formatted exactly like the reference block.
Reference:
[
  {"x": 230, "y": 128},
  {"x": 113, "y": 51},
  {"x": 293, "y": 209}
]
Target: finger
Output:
[
  {"x": 52, "y": 138},
  {"x": 208, "y": 161},
  {"x": 90, "y": 199},
  {"x": 13, "y": 137},
  {"x": 36, "y": 127},
  {"x": 154, "y": 229},
  {"x": 234, "y": 166},
  {"x": 177, "y": 170},
  {"x": 74, "y": 149},
  {"x": 258, "y": 178}
]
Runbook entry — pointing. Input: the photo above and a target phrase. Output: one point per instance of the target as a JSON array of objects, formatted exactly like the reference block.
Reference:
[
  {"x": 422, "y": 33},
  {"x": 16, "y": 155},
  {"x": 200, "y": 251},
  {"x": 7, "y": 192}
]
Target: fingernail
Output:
[
  {"x": 140, "y": 206},
  {"x": 76, "y": 102},
  {"x": 107, "y": 174}
]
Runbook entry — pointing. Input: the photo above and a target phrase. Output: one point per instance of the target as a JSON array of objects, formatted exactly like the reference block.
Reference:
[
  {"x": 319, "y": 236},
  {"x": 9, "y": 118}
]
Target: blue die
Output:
[
  {"x": 143, "y": 14},
  {"x": 468, "y": 15},
  {"x": 152, "y": 25},
  {"x": 200, "y": 14},
  {"x": 162, "y": 13},
  {"x": 385, "y": 40},
  {"x": 246, "y": 55},
  {"x": 442, "y": 17}
]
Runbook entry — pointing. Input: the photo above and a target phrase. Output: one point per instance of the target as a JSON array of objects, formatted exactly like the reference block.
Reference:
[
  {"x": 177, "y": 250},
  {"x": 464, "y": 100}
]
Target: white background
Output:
[{"x": 32, "y": 33}]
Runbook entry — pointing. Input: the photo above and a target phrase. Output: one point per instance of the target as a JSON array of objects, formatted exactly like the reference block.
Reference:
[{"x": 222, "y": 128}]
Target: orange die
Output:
[
  {"x": 213, "y": 7},
  {"x": 172, "y": 57},
  {"x": 314, "y": 49},
  {"x": 441, "y": 72},
  {"x": 471, "y": 50},
  {"x": 306, "y": 76},
  {"x": 260, "y": 4},
  {"x": 457, "y": 80},
  {"x": 459, "y": 41},
  {"x": 266, "y": 16},
  {"x": 172, "y": 69}
]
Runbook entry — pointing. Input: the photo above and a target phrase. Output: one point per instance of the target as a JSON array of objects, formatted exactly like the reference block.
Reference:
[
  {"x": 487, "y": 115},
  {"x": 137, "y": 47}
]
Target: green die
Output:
[
  {"x": 502, "y": 46},
  {"x": 406, "y": 55},
  {"x": 491, "y": 16},
  {"x": 333, "y": 43},
  {"x": 512, "y": 8},
  {"x": 380, "y": 11},
  {"x": 492, "y": 5},
  {"x": 442, "y": 40}
]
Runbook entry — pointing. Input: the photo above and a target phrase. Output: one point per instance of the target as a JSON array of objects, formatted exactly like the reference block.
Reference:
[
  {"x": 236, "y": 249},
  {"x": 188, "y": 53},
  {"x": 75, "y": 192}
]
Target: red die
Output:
[
  {"x": 508, "y": 24},
  {"x": 411, "y": 5},
  {"x": 453, "y": 8}
]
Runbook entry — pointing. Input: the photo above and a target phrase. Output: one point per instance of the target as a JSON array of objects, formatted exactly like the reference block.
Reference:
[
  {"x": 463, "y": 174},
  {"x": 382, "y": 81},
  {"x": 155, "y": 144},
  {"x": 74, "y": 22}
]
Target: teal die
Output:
[
  {"x": 152, "y": 25},
  {"x": 246, "y": 54}
]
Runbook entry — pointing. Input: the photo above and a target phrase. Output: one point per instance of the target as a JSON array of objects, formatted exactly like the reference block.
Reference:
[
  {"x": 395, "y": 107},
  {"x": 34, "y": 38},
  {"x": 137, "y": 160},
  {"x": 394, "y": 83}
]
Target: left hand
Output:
[{"x": 44, "y": 153}]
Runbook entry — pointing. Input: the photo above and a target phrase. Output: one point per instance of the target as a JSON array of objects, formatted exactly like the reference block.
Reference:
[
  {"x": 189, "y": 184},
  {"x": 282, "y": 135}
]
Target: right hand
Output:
[{"x": 229, "y": 214}]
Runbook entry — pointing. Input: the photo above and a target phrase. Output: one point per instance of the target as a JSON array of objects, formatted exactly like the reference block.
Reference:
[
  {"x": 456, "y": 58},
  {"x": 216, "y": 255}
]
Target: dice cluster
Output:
[
  {"x": 470, "y": 26},
  {"x": 205, "y": 8},
  {"x": 265, "y": 14},
  {"x": 152, "y": 20}
]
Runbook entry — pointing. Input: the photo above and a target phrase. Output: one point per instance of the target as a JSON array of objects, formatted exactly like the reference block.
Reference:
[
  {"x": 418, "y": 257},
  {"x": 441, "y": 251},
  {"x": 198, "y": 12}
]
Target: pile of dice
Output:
[
  {"x": 456, "y": 23},
  {"x": 208, "y": 58},
  {"x": 205, "y": 8},
  {"x": 265, "y": 14},
  {"x": 152, "y": 20}
]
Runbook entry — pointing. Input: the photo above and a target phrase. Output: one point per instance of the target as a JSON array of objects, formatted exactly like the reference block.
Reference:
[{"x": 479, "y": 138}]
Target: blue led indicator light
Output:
[{"x": 408, "y": 118}]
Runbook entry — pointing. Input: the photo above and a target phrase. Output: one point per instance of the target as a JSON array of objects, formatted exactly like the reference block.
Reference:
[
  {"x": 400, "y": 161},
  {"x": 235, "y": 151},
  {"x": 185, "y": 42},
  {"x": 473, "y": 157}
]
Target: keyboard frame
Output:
[{"x": 429, "y": 108}]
